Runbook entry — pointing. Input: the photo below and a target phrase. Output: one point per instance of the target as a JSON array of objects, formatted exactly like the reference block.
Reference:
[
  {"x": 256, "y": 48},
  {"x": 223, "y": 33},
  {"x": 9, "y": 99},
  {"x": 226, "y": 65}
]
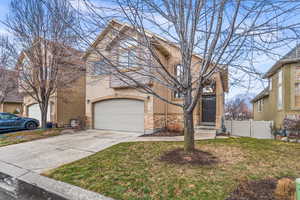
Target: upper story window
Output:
[
  {"x": 297, "y": 86},
  {"x": 179, "y": 72},
  {"x": 270, "y": 83},
  {"x": 99, "y": 68},
  {"x": 280, "y": 88},
  {"x": 260, "y": 105},
  {"x": 128, "y": 58},
  {"x": 179, "y": 75}
]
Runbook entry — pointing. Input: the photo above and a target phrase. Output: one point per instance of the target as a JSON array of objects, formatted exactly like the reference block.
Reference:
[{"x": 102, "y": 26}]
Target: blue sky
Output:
[
  {"x": 263, "y": 66},
  {"x": 4, "y": 7}
]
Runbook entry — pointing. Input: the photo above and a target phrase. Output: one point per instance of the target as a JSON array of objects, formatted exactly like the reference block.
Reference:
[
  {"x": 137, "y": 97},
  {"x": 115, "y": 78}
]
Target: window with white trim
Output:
[
  {"x": 279, "y": 92},
  {"x": 297, "y": 86},
  {"x": 128, "y": 58},
  {"x": 260, "y": 105},
  {"x": 270, "y": 83},
  {"x": 179, "y": 75},
  {"x": 99, "y": 68}
]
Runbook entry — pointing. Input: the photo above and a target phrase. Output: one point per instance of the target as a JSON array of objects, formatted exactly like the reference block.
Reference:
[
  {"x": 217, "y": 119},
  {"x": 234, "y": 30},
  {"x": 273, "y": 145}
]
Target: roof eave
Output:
[{"x": 278, "y": 65}]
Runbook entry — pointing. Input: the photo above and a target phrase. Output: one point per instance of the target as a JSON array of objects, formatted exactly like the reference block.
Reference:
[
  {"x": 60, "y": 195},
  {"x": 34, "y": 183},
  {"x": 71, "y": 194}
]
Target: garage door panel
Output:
[
  {"x": 34, "y": 112},
  {"x": 119, "y": 114}
]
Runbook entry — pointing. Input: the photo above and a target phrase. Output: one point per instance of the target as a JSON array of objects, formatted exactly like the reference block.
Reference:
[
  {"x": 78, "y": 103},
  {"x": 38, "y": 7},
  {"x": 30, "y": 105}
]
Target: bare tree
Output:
[
  {"x": 238, "y": 109},
  {"x": 8, "y": 77},
  {"x": 225, "y": 33},
  {"x": 45, "y": 35}
]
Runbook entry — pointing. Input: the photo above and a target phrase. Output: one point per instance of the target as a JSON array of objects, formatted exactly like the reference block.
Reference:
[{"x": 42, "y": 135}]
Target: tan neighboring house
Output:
[
  {"x": 113, "y": 105},
  {"x": 13, "y": 102},
  {"x": 65, "y": 104},
  {"x": 281, "y": 99}
]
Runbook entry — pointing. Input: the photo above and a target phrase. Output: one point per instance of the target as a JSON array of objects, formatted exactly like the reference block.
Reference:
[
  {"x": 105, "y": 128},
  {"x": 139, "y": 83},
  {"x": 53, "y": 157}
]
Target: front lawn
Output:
[
  {"x": 147, "y": 170},
  {"x": 25, "y": 136}
]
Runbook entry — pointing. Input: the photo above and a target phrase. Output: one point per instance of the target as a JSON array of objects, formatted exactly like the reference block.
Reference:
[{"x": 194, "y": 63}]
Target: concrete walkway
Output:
[
  {"x": 45, "y": 154},
  {"x": 202, "y": 136}
]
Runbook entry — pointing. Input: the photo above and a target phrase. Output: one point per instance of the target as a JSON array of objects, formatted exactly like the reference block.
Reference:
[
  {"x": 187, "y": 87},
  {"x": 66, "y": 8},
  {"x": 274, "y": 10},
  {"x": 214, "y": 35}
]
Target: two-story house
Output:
[
  {"x": 113, "y": 105},
  {"x": 281, "y": 99},
  {"x": 67, "y": 102}
]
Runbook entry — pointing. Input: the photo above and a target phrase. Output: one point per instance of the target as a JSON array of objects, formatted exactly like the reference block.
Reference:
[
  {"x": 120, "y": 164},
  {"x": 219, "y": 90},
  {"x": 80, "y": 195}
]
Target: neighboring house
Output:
[
  {"x": 66, "y": 103},
  {"x": 113, "y": 105},
  {"x": 281, "y": 99},
  {"x": 13, "y": 100}
]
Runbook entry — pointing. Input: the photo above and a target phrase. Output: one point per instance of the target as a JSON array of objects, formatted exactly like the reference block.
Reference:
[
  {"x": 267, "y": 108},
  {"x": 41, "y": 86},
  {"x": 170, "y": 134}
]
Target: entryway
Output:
[{"x": 208, "y": 109}]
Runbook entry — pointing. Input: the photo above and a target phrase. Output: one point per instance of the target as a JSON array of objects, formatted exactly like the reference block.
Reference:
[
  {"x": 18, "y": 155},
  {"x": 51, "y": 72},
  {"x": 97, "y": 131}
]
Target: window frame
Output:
[
  {"x": 295, "y": 81},
  {"x": 94, "y": 73},
  {"x": 280, "y": 90},
  {"x": 179, "y": 76},
  {"x": 260, "y": 105}
]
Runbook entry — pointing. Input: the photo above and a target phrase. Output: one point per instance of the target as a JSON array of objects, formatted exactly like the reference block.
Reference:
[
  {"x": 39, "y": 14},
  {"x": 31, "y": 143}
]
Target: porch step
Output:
[
  {"x": 207, "y": 124},
  {"x": 201, "y": 127},
  {"x": 205, "y": 130}
]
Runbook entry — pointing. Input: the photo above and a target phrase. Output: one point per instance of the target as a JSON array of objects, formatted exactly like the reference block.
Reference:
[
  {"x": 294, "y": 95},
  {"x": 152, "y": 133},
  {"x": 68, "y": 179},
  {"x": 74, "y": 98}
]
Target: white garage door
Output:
[
  {"x": 34, "y": 112},
  {"x": 119, "y": 115}
]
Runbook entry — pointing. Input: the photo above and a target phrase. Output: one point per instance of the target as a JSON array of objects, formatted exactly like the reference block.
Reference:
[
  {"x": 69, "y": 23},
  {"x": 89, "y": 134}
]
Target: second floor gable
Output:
[{"x": 144, "y": 60}]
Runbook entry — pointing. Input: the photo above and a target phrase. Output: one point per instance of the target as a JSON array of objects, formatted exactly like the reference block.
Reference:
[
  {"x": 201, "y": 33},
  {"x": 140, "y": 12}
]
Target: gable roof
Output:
[
  {"x": 291, "y": 57},
  {"x": 67, "y": 49},
  {"x": 159, "y": 45},
  {"x": 122, "y": 26},
  {"x": 13, "y": 96},
  {"x": 261, "y": 95}
]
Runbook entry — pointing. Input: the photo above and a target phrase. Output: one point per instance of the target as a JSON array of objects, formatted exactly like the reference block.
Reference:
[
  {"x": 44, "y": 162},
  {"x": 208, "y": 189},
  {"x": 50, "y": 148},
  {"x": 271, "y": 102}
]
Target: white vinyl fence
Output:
[{"x": 250, "y": 128}]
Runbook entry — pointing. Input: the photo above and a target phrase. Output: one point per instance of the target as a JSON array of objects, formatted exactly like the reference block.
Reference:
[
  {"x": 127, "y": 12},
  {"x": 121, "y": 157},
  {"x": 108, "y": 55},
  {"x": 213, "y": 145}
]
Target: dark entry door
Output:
[{"x": 209, "y": 108}]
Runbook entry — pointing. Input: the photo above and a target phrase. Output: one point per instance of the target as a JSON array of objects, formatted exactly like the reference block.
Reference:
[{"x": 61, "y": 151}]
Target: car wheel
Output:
[{"x": 30, "y": 125}]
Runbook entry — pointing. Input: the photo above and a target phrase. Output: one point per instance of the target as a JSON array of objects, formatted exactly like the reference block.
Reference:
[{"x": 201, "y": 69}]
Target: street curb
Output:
[{"x": 23, "y": 184}]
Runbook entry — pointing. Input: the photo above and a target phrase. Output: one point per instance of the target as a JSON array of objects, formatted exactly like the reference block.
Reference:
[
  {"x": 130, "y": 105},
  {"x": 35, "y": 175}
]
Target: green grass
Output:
[
  {"x": 133, "y": 170},
  {"x": 25, "y": 136}
]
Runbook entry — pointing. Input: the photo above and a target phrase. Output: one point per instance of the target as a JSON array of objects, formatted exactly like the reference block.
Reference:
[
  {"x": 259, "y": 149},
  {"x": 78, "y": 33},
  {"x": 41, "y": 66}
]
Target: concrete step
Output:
[
  {"x": 205, "y": 127},
  {"x": 207, "y": 123}
]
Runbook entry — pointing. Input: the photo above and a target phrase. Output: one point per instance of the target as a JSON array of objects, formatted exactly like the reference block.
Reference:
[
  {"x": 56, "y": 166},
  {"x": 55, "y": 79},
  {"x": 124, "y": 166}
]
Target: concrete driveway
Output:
[{"x": 45, "y": 154}]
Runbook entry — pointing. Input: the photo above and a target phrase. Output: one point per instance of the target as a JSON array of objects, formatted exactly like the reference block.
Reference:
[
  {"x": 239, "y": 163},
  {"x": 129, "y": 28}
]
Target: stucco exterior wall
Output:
[
  {"x": 11, "y": 107},
  {"x": 270, "y": 110},
  {"x": 158, "y": 114}
]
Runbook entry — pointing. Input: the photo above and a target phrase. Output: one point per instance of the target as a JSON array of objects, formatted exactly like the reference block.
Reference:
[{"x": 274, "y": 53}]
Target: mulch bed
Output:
[
  {"x": 164, "y": 134},
  {"x": 197, "y": 157},
  {"x": 257, "y": 190}
]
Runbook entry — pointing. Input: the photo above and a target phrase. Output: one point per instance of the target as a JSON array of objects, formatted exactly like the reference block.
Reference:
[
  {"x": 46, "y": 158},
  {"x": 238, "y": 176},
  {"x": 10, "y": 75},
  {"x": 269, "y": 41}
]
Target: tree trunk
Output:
[
  {"x": 44, "y": 111},
  {"x": 189, "y": 143}
]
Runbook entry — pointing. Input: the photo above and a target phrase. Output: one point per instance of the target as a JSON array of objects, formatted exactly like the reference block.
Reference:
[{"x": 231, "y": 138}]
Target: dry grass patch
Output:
[
  {"x": 25, "y": 136},
  {"x": 134, "y": 171}
]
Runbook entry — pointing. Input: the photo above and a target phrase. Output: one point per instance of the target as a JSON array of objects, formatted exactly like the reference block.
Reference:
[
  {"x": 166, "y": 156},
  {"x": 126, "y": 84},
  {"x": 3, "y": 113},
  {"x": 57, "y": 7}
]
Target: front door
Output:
[{"x": 209, "y": 108}]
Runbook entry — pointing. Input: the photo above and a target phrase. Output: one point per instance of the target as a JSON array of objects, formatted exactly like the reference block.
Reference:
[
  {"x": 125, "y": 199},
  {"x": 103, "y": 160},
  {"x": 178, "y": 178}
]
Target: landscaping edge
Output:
[{"x": 23, "y": 184}]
